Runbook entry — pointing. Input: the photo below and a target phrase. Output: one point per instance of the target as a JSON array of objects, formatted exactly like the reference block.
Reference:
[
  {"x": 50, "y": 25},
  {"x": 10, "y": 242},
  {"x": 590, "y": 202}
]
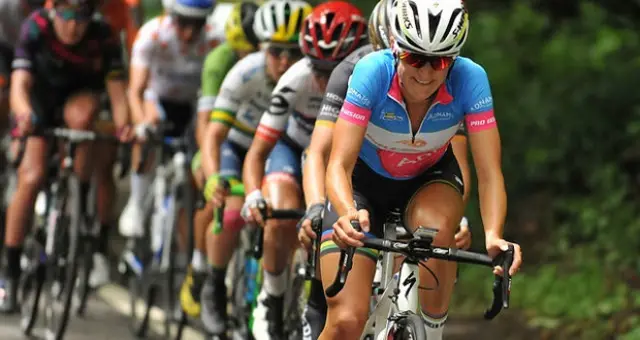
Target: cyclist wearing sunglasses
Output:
[
  {"x": 243, "y": 98},
  {"x": 401, "y": 111},
  {"x": 55, "y": 46},
  {"x": 317, "y": 153},
  {"x": 240, "y": 42},
  {"x": 332, "y": 31},
  {"x": 164, "y": 80}
]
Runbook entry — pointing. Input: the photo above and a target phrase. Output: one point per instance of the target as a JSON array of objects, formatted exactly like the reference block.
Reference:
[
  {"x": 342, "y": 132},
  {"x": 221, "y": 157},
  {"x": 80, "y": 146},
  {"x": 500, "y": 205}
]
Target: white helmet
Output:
[
  {"x": 280, "y": 20},
  {"x": 431, "y": 27}
]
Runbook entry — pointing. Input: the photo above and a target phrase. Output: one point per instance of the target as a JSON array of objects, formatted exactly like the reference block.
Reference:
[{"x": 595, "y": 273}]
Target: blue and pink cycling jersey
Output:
[{"x": 374, "y": 100}]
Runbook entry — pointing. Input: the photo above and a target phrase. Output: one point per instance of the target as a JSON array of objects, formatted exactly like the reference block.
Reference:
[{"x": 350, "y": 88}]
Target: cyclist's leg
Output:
[
  {"x": 31, "y": 173},
  {"x": 347, "y": 312},
  {"x": 105, "y": 157},
  {"x": 281, "y": 188},
  {"x": 79, "y": 113},
  {"x": 315, "y": 312},
  {"x": 222, "y": 243},
  {"x": 438, "y": 204},
  {"x": 140, "y": 182}
]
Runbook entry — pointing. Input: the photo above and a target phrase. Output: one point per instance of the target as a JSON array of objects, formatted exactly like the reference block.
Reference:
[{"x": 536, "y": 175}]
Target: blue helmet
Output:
[{"x": 199, "y": 9}]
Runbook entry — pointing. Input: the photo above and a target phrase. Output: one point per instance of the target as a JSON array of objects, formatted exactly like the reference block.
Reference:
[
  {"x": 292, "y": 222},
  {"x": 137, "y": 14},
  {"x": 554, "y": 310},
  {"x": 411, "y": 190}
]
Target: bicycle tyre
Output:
[
  {"x": 170, "y": 291},
  {"x": 237, "y": 288},
  {"x": 56, "y": 322},
  {"x": 85, "y": 266},
  {"x": 409, "y": 327},
  {"x": 189, "y": 206},
  {"x": 142, "y": 292},
  {"x": 30, "y": 286}
]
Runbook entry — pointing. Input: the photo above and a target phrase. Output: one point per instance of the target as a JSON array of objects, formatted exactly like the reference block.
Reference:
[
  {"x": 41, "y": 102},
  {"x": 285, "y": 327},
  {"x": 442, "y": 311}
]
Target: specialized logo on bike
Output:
[
  {"x": 403, "y": 165},
  {"x": 408, "y": 284}
]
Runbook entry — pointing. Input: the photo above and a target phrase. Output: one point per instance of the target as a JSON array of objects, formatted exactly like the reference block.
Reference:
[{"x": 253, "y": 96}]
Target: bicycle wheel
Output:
[
  {"x": 295, "y": 297},
  {"x": 142, "y": 291},
  {"x": 85, "y": 266},
  {"x": 189, "y": 206},
  {"x": 236, "y": 285},
  {"x": 62, "y": 268},
  {"x": 170, "y": 290},
  {"x": 87, "y": 245},
  {"x": 409, "y": 327},
  {"x": 31, "y": 282}
]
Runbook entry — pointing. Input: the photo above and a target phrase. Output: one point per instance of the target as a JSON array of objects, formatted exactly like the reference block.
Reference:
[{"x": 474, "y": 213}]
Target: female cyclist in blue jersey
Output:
[{"x": 401, "y": 111}]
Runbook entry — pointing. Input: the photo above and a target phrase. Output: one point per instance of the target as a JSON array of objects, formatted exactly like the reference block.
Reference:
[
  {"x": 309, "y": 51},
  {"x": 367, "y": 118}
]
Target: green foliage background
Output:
[{"x": 565, "y": 78}]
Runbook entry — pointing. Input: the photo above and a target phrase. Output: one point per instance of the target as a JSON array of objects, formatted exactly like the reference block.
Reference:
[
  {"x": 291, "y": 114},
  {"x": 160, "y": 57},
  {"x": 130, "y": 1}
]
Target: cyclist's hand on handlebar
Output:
[
  {"x": 143, "y": 130},
  {"x": 463, "y": 236},
  {"x": 306, "y": 235},
  {"x": 125, "y": 133},
  {"x": 214, "y": 192},
  {"x": 496, "y": 245},
  {"x": 344, "y": 235},
  {"x": 250, "y": 210},
  {"x": 24, "y": 122}
]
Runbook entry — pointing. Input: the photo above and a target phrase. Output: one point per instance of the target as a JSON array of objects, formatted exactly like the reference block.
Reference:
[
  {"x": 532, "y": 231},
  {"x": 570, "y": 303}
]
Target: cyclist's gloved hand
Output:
[
  {"x": 463, "y": 236},
  {"x": 144, "y": 130},
  {"x": 306, "y": 235},
  {"x": 251, "y": 208},
  {"x": 215, "y": 192},
  {"x": 344, "y": 235}
]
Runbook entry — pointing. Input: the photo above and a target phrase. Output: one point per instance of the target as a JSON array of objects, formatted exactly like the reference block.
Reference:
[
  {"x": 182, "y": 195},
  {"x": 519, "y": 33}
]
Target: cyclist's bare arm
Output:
[
  {"x": 202, "y": 127},
  {"x": 347, "y": 141},
  {"x": 254, "y": 162},
  {"x": 117, "y": 90},
  {"x": 486, "y": 152},
  {"x": 21, "y": 82},
  {"x": 214, "y": 136},
  {"x": 460, "y": 151},
  {"x": 315, "y": 165},
  {"x": 138, "y": 79}
]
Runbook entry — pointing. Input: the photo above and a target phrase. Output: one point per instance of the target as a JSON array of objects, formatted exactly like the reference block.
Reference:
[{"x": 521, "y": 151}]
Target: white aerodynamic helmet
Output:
[{"x": 431, "y": 27}]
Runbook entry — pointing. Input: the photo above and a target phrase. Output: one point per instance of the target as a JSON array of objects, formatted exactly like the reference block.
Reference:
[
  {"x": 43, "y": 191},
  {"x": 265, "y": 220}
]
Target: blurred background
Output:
[{"x": 565, "y": 77}]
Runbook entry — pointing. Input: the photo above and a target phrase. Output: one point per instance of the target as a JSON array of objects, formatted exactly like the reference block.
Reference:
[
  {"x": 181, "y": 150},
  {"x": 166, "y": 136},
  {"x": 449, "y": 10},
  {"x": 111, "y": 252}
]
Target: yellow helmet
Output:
[
  {"x": 239, "y": 27},
  {"x": 281, "y": 20}
]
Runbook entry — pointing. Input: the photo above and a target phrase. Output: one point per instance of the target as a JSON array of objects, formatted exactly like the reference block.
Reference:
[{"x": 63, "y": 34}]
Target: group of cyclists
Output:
[{"x": 317, "y": 108}]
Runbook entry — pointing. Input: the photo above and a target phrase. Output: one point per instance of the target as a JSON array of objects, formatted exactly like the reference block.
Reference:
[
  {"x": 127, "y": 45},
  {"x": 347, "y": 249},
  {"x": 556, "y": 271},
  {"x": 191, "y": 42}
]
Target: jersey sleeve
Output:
[
  {"x": 232, "y": 94},
  {"x": 334, "y": 95},
  {"x": 29, "y": 39},
  {"x": 112, "y": 53},
  {"x": 145, "y": 43},
  {"x": 283, "y": 101},
  {"x": 216, "y": 66},
  {"x": 365, "y": 86},
  {"x": 478, "y": 107}
]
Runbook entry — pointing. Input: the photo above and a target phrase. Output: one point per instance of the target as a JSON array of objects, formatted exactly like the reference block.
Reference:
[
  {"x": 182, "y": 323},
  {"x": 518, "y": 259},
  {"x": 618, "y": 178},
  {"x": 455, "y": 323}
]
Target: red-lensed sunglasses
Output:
[{"x": 416, "y": 60}]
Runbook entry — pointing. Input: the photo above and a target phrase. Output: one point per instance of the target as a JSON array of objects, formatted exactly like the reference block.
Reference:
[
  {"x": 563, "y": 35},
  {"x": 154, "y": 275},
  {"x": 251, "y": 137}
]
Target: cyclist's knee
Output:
[
  {"x": 345, "y": 320},
  {"x": 232, "y": 220},
  {"x": 31, "y": 177},
  {"x": 283, "y": 190},
  {"x": 79, "y": 111}
]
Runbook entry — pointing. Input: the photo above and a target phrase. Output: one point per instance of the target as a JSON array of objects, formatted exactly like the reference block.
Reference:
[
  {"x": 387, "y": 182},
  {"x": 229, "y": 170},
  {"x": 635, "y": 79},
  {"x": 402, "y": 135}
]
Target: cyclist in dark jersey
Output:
[
  {"x": 318, "y": 151},
  {"x": 12, "y": 13},
  {"x": 63, "y": 59}
]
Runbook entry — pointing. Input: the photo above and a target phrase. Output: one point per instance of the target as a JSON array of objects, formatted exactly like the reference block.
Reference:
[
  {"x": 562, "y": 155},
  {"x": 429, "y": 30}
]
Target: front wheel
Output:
[{"x": 408, "y": 327}]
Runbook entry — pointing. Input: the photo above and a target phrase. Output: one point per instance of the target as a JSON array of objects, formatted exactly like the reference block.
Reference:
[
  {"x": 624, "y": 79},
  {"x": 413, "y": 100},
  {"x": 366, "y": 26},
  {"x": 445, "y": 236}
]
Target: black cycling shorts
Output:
[
  {"x": 379, "y": 195},
  {"x": 48, "y": 102},
  {"x": 178, "y": 114}
]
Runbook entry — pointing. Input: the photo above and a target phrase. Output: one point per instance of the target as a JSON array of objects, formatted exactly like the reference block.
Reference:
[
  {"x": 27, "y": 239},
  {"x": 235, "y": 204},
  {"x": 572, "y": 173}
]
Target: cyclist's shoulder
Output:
[
  {"x": 246, "y": 70},
  {"x": 372, "y": 77},
  {"x": 36, "y": 24},
  {"x": 152, "y": 28},
  {"x": 358, "y": 54},
  {"x": 465, "y": 69}
]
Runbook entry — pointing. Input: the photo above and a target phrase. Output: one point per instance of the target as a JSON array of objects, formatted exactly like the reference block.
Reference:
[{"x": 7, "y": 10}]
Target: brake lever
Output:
[
  {"x": 316, "y": 226},
  {"x": 501, "y": 284},
  {"x": 346, "y": 262}
]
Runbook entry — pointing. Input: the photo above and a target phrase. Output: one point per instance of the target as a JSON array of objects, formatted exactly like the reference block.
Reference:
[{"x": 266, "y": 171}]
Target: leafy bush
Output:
[{"x": 567, "y": 107}]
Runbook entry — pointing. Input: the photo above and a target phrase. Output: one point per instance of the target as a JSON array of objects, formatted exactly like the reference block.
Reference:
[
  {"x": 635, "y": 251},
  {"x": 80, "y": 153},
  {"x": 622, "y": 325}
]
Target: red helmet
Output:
[{"x": 332, "y": 31}]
